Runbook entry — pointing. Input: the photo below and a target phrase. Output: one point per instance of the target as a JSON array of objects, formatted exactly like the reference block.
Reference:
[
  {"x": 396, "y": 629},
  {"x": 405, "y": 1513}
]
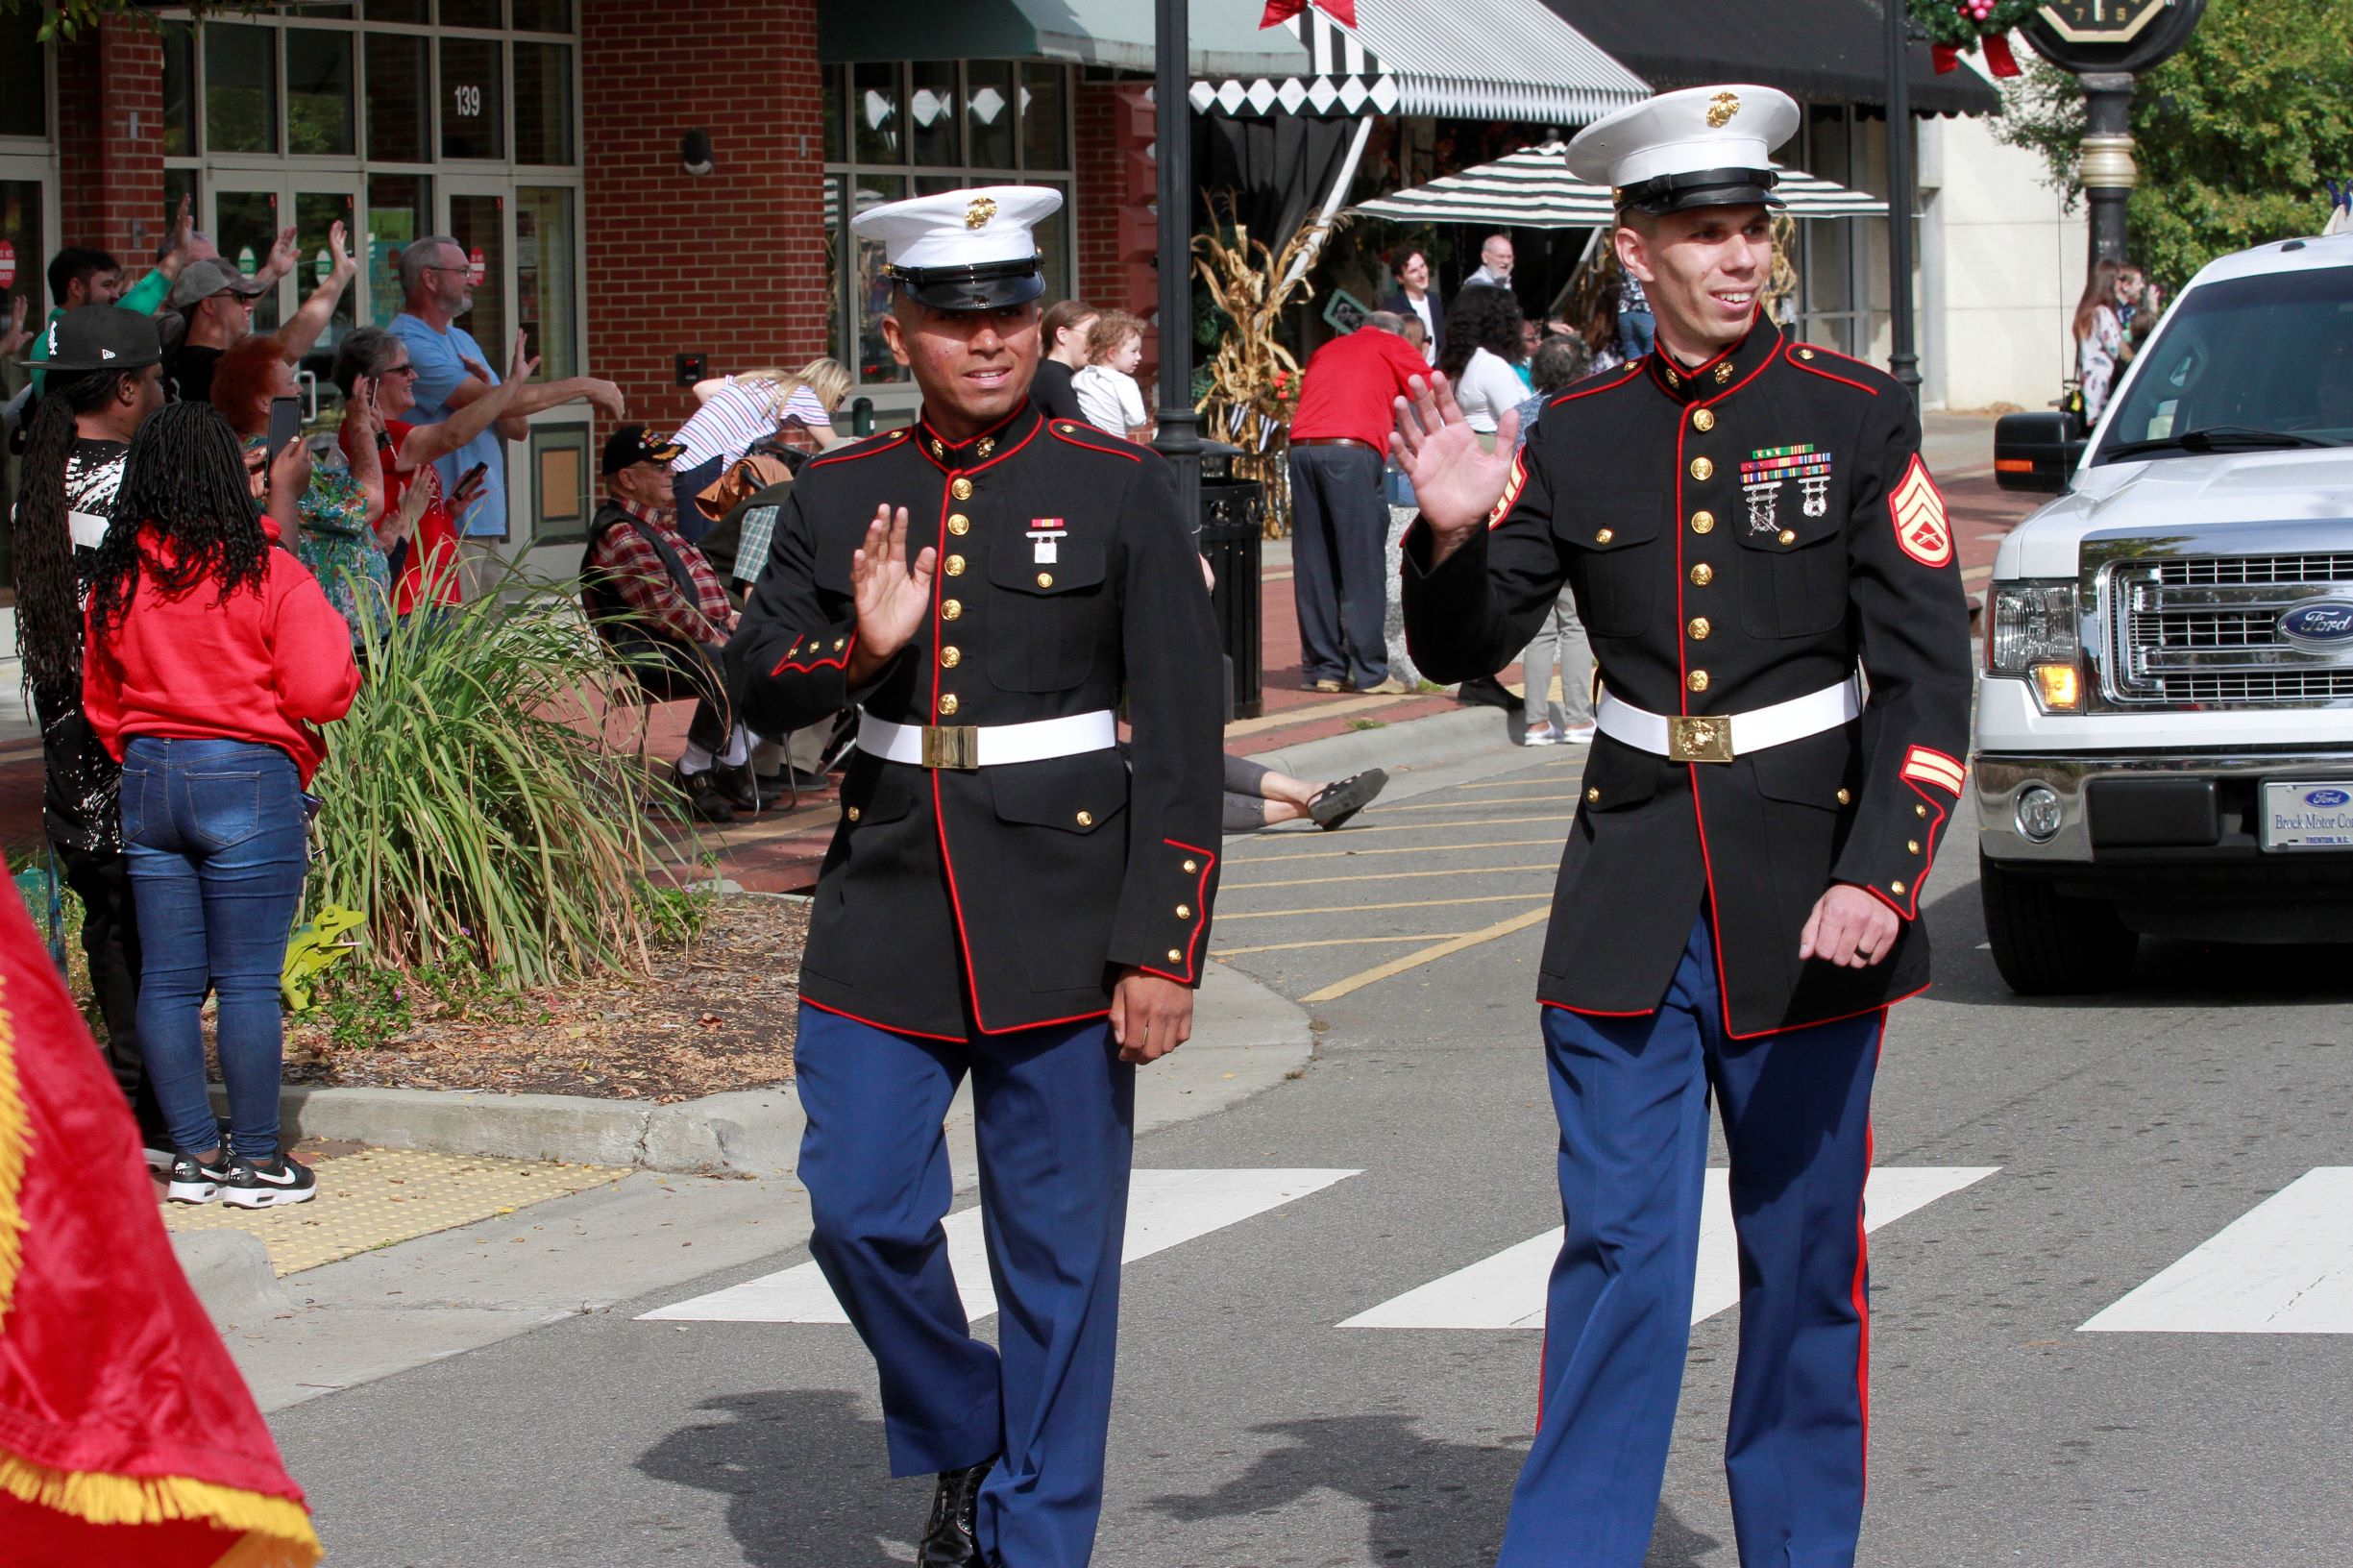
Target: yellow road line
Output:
[
  {"x": 1225, "y": 916},
  {"x": 1224, "y": 888},
  {"x": 1423, "y": 827},
  {"x": 1401, "y": 849},
  {"x": 1331, "y": 941},
  {"x": 1427, "y": 955},
  {"x": 1459, "y": 805}
]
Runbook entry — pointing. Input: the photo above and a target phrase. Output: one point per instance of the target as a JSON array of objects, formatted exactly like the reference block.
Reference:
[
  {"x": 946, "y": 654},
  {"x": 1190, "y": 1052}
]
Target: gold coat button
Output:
[
  {"x": 1703, "y": 575},
  {"x": 958, "y": 523},
  {"x": 1696, "y": 681},
  {"x": 1896, "y": 888},
  {"x": 1176, "y": 955},
  {"x": 1703, "y": 468},
  {"x": 1192, "y": 866},
  {"x": 1045, "y": 579},
  {"x": 1185, "y": 912},
  {"x": 1703, "y": 522},
  {"x": 853, "y": 814},
  {"x": 1913, "y": 844},
  {"x": 950, "y": 658},
  {"x": 1699, "y": 628},
  {"x": 1788, "y": 536},
  {"x": 950, "y": 608},
  {"x": 955, "y": 566},
  {"x": 1086, "y": 819},
  {"x": 961, "y": 489},
  {"x": 948, "y": 702},
  {"x": 1846, "y": 798},
  {"x": 1702, "y": 419},
  {"x": 1805, "y": 353},
  {"x": 1593, "y": 794},
  {"x": 1604, "y": 536}
]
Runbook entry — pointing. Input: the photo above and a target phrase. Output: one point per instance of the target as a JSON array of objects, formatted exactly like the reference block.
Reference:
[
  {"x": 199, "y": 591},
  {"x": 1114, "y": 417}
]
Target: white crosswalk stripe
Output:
[
  {"x": 1507, "y": 1290},
  {"x": 1166, "y": 1209},
  {"x": 2285, "y": 1266}
]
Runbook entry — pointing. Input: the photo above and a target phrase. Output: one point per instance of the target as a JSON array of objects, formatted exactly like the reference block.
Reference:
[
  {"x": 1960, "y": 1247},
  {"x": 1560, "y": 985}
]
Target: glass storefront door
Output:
[
  {"x": 247, "y": 213},
  {"x": 24, "y": 251}
]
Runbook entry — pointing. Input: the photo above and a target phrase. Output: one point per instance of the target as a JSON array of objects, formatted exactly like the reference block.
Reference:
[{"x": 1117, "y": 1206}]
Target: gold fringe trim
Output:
[
  {"x": 16, "y": 1142},
  {"x": 277, "y": 1532}
]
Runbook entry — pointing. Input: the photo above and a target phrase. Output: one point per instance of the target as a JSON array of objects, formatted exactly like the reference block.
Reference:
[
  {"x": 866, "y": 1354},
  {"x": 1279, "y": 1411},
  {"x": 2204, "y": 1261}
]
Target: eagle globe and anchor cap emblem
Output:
[
  {"x": 2324, "y": 624},
  {"x": 1721, "y": 109},
  {"x": 978, "y": 214}
]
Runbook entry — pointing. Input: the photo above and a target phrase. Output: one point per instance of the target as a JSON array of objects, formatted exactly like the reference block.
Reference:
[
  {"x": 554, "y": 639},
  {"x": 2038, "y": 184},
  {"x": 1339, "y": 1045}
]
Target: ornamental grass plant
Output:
[{"x": 472, "y": 809}]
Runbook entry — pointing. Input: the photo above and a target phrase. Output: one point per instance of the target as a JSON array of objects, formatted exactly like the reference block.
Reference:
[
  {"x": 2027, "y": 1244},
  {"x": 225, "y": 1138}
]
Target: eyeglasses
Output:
[{"x": 409, "y": 371}]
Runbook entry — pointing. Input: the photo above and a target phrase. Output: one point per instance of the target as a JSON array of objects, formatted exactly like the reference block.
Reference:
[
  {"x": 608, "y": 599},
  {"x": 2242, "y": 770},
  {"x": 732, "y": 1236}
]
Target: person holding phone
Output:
[
  {"x": 329, "y": 521},
  {"x": 418, "y": 532}
]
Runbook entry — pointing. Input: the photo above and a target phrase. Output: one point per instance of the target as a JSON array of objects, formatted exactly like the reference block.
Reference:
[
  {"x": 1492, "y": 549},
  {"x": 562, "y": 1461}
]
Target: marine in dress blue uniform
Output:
[
  {"x": 1746, "y": 523},
  {"x": 1010, "y": 895}
]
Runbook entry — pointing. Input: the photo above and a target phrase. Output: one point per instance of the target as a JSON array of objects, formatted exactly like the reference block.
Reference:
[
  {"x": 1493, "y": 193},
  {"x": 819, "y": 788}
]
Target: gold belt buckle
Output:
[
  {"x": 1699, "y": 738},
  {"x": 951, "y": 745}
]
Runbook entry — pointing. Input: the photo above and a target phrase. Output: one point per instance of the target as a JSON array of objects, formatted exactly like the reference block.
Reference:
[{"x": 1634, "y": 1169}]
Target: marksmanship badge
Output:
[{"x": 1769, "y": 468}]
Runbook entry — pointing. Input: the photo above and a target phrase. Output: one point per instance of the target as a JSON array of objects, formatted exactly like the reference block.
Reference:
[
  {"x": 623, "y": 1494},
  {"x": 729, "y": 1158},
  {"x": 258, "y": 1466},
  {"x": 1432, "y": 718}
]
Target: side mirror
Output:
[{"x": 2036, "y": 450}]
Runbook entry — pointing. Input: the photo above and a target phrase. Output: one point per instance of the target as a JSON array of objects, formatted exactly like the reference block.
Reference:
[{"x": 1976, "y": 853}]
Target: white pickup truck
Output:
[{"x": 2164, "y": 729}]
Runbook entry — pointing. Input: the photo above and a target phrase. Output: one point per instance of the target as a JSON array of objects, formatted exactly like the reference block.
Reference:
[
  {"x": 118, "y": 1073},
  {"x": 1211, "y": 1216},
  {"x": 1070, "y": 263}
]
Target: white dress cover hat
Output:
[
  {"x": 1697, "y": 147},
  {"x": 964, "y": 250}
]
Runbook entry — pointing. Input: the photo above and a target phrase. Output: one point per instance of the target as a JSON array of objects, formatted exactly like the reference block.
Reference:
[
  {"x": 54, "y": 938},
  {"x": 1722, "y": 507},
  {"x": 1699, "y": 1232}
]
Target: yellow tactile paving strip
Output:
[{"x": 371, "y": 1198}]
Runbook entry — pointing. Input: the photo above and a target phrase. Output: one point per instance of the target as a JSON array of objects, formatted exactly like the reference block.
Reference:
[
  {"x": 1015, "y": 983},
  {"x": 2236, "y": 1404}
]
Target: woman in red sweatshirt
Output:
[{"x": 212, "y": 659}]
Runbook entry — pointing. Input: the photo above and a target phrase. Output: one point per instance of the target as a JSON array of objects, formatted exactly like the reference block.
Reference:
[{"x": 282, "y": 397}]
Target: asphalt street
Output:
[{"x": 2046, "y": 1164}]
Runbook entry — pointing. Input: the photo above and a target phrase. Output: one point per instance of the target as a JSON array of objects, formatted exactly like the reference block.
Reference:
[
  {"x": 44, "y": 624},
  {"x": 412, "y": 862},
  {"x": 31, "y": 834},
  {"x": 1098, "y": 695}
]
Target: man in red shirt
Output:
[{"x": 1340, "y": 519}]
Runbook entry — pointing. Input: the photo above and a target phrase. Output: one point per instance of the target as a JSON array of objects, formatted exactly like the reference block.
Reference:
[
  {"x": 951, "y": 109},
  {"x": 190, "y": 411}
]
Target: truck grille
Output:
[{"x": 2204, "y": 632}]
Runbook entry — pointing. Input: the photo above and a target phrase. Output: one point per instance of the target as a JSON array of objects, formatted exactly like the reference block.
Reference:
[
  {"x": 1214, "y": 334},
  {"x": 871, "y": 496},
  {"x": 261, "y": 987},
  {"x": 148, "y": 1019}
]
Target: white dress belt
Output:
[
  {"x": 1718, "y": 737},
  {"x": 987, "y": 746}
]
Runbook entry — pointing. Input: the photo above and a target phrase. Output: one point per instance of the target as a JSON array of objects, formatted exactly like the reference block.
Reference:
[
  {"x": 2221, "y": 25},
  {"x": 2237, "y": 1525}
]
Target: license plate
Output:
[{"x": 2317, "y": 814}]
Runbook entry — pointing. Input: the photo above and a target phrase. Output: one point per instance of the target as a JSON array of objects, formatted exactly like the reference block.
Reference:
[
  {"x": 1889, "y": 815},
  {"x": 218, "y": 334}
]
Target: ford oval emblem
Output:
[
  {"x": 2327, "y": 622},
  {"x": 2328, "y": 797}
]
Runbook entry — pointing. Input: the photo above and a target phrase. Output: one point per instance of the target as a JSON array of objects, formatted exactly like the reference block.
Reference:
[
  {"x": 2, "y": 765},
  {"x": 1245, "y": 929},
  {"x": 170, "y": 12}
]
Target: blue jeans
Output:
[
  {"x": 1637, "y": 332},
  {"x": 213, "y": 829}
]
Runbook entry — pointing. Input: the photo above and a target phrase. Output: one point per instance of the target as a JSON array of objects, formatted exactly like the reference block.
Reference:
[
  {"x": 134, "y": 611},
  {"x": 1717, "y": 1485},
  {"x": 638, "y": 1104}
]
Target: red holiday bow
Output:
[
  {"x": 1998, "y": 56},
  {"x": 1279, "y": 12}
]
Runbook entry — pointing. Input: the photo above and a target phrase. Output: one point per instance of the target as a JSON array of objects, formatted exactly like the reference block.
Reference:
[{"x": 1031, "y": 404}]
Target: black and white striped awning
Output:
[
  {"x": 1534, "y": 188},
  {"x": 1505, "y": 60}
]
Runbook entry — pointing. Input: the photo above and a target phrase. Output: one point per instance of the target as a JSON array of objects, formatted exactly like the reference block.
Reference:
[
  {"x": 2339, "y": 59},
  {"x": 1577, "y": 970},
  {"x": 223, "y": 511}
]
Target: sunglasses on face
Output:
[{"x": 409, "y": 371}]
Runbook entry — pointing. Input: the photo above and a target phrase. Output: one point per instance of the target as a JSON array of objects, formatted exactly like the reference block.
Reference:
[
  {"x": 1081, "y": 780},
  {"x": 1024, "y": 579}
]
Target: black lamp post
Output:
[
  {"x": 1902, "y": 361},
  {"x": 1179, "y": 439}
]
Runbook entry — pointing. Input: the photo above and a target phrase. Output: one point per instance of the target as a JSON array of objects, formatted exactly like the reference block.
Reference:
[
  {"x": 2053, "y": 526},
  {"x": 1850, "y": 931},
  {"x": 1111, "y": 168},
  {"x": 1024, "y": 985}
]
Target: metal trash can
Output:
[{"x": 1233, "y": 523}]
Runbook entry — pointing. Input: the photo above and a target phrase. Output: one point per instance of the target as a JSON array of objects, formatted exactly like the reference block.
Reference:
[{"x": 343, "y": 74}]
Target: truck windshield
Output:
[{"x": 2242, "y": 365}]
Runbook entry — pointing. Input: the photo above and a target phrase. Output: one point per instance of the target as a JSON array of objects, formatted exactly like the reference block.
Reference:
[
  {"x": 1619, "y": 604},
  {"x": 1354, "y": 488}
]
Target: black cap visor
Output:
[
  {"x": 1705, "y": 188},
  {"x": 986, "y": 285}
]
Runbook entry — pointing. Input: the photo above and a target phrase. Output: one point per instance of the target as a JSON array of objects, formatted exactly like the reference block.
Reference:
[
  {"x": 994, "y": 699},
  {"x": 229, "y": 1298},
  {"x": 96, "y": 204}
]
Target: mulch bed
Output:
[{"x": 717, "y": 1017}]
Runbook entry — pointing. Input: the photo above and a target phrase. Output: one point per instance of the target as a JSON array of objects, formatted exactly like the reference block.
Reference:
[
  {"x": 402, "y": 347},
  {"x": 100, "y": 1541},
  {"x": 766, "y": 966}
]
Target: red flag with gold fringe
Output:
[{"x": 125, "y": 1433}]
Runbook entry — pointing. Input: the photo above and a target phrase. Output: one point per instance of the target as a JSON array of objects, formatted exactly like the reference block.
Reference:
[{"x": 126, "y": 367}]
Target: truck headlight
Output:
[{"x": 2031, "y": 631}]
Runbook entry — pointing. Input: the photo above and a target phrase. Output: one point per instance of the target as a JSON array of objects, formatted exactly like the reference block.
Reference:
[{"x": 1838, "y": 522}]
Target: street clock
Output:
[{"x": 2111, "y": 34}]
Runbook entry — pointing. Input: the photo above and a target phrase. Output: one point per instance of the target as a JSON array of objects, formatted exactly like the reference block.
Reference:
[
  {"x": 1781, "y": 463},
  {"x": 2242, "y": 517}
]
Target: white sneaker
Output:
[
  {"x": 1579, "y": 734},
  {"x": 1540, "y": 735}
]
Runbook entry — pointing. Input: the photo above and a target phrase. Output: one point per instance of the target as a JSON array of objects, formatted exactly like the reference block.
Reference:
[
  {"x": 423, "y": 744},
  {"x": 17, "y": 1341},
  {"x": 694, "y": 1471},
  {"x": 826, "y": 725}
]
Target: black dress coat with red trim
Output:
[
  {"x": 1008, "y": 896},
  {"x": 1736, "y": 535}
]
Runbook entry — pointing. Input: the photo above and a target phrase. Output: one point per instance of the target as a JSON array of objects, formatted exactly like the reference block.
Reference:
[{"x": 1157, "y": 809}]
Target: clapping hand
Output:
[
  {"x": 1457, "y": 481},
  {"x": 16, "y": 337},
  {"x": 338, "y": 253},
  {"x": 521, "y": 366},
  {"x": 893, "y": 597},
  {"x": 284, "y": 254}
]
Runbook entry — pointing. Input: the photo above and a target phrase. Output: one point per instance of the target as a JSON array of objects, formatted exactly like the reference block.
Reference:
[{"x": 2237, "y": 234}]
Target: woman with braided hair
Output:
[
  {"x": 213, "y": 657},
  {"x": 76, "y": 441}
]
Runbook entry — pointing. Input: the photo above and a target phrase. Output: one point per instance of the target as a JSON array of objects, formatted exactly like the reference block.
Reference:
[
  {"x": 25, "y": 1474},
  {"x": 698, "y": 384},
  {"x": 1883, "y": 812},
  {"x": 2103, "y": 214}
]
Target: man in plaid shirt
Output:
[{"x": 655, "y": 597}]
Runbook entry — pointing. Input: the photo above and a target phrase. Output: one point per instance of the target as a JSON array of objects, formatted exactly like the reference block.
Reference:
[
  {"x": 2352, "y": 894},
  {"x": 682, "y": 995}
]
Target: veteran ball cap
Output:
[
  {"x": 199, "y": 280},
  {"x": 632, "y": 444},
  {"x": 964, "y": 250},
  {"x": 1698, "y": 147},
  {"x": 98, "y": 337}
]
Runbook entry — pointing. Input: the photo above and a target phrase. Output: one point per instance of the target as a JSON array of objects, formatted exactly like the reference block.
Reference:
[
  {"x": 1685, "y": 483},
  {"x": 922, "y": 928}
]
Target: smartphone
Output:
[
  {"x": 470, "y": 476},
  {"x": 286, "y": 423}
]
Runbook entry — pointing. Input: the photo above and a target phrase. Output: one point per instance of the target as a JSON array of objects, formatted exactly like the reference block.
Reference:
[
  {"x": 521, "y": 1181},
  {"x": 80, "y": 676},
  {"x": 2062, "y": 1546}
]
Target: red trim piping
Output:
[
  {"x": 1047, "y": 1023},
  {"x": 1201, "y": 917},
  {"x": 1848, "y": 358},
  {"x": 886, "y": 1028},
  {"x": 1789, "y": 352},
  {"x": 1596, "y": 1012},
  {"x": 923, "y": 424},
  {"x": 1067, "y": 430},
  {"x": 1862, "y": 1272},
  {"x": 1631, "y": 372},
  {"x": 840, "y": 661},
  {"x": 888, "y": 441}
]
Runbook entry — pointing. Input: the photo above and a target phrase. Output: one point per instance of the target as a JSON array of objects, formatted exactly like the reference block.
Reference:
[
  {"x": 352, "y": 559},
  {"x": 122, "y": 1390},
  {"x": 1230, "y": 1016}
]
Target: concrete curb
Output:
[
  {"x": 1246, "y": 1037},
  {"x": 1429, "y": 742},
  {"x": 231, "y": 1273}
]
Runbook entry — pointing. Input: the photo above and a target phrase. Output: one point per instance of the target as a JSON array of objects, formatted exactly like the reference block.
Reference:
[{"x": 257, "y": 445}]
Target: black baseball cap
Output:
[
  {"x": 631, "y": 444},
  {"x": 98, "y": 337}
]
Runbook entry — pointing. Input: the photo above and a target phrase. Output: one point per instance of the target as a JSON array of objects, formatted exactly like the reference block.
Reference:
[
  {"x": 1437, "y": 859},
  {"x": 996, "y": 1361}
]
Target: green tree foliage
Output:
[
  {"x": 2233, "y": 136},
  {"x": 64, "y": 20}
]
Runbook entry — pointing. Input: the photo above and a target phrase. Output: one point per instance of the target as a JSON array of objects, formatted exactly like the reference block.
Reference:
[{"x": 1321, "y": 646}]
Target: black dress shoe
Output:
[
  {"x": 737, "y": 785},
  {"x": 703, "y": 801},
  {"x": 949, "y": 1537},
  {"x": 1488, "y": 690},
  {"x": 773, "y": 785}
]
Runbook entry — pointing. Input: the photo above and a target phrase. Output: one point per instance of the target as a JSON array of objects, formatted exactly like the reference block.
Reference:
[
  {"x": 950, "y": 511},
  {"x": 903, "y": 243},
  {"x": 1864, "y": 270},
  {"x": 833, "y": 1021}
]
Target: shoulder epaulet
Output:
[
  {"x": 1074, "y": 433},
  {"x": 1596, "y": 384},
  {"x": 1839, "y": 367},
  {"x": 882, "y": 441}
]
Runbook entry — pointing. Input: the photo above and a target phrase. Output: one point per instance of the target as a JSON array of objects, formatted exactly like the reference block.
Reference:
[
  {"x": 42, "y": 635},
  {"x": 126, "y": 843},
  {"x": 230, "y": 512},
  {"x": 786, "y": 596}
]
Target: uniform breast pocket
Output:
[
  {"x": 1792, "y": 579},
  {"x": 1048, "y": 613},
  {"x": 1610, "y": 537}
]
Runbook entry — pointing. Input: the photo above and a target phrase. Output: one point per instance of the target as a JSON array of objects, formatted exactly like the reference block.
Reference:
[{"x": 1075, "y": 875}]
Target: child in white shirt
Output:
[{"x": 1107, "y": 391}]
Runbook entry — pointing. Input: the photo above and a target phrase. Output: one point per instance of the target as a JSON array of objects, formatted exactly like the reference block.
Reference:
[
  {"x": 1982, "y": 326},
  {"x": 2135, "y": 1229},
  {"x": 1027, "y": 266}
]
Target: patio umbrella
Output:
[{"x": 1534, "y": 188}]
